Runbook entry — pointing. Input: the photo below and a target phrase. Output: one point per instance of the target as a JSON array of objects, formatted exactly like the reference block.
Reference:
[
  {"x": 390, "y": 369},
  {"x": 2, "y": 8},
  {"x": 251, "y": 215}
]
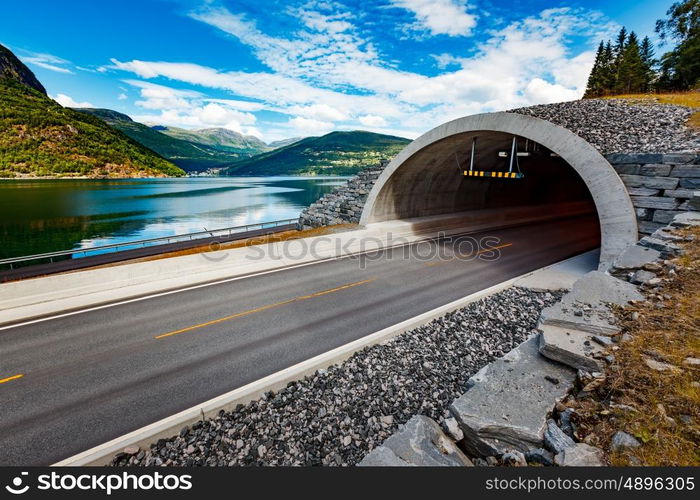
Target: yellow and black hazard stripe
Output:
[{"x": 502, "y": 175}]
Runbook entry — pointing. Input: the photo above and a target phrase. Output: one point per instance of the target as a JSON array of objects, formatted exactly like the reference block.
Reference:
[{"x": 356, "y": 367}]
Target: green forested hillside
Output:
[
  {"x": 219, "y": 138},
  {"x": 39, "y": 137},
  {"x": 190, "y": 156},
  {"x": 339, "y": 153}
]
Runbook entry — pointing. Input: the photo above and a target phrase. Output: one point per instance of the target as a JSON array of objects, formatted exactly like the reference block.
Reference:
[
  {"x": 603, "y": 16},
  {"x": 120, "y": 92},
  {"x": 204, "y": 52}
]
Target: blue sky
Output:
[{"x": 278, "y": 69}]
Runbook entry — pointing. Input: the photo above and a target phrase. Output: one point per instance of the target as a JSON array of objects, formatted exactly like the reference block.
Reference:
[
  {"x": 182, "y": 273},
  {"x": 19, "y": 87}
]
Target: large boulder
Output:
[
  {"x": 420, "y": 442},
  {"x": 507, "y": 406}
]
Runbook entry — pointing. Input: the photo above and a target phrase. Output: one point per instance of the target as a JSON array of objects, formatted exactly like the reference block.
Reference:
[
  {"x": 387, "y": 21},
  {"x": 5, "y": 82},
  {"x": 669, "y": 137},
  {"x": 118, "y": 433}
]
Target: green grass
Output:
[{"x": 38, "y": 137}]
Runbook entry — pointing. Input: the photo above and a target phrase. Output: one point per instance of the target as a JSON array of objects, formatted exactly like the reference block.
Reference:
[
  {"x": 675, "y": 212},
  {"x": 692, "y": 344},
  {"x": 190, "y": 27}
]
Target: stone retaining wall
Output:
[
  {"x": 344, "y": 204},
  {"x": 661, "y": 186}
]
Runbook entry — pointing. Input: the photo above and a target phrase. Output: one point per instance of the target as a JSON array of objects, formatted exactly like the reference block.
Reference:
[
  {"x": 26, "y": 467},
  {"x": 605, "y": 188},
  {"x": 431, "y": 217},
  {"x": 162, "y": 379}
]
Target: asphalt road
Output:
[
  {"x": 67, "y": 384},
  {"x": 61, "y": 266}
]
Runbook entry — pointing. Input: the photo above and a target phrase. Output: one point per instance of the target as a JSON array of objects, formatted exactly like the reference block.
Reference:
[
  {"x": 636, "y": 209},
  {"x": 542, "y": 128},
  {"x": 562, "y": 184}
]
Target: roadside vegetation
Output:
[{"x": 657, "y": 401}]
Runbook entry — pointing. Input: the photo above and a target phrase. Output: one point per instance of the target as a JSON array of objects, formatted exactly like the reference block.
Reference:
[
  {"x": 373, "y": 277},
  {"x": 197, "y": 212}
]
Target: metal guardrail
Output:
[{"x": 226, "y": 231}]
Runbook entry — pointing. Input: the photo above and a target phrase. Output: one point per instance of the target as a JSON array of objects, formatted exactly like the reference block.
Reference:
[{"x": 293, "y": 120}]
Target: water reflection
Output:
[{"x": 38, "y": 216}]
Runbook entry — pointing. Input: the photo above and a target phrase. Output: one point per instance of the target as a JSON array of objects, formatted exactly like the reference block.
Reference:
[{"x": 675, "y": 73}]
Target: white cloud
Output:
[
  {"x": 68, "y": 102},
  {"x": 318, "y": 111},
  {"x": 325, "y": 76},
  {"x": 309, "y": 126},
  {"x": 440, "y": 17},
  {"x": 190, "y": 109},
  {"x": 372, "y": 121},
  {"x": 122, "y": 97},
  {"x": 47, "y": 61}
]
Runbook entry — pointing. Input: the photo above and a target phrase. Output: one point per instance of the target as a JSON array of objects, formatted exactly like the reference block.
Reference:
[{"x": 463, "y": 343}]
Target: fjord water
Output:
[{"x": 42, "y": 215}]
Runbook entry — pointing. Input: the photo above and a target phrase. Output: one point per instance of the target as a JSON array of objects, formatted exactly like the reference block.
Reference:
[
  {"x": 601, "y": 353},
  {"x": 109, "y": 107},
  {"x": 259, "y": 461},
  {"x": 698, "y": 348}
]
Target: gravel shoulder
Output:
[{"x": 338, "y": 415}]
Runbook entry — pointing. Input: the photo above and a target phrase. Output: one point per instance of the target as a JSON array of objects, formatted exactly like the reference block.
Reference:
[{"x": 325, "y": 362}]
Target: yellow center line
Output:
[
  {"x": 14, "y": 377},
  {"x": 263, "y": 308},
  {"x": 486, "y": 250}
]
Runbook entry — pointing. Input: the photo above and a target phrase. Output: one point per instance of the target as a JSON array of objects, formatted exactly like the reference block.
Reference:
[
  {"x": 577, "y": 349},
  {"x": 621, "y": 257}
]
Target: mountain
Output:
[
  {"x": 339, "y": 153},
  {"x": 188, "y": 155},
  {"x": 219, "y": 138},
  {"x": 284, "y": 142},
  {"x": 12, "y": 68},
  {"x": 39, "y": 137}
]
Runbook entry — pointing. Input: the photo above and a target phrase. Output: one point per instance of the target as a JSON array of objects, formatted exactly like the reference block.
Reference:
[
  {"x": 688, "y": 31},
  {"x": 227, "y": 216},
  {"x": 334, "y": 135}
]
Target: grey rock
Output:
[
  {"x": 643, "y": 213},
  {"x": 664, "y": 234},
  {"x": 603, "y": 340},
  {"x": 554, "y": 438},
  {"x": 689, "y": 183},
  {"x": 596, "y": 286},
  {"x": 594, "y": 290},
  {"x": 686, "y": 219},
  {"x": 622, "y": 441},
  {"x": 514, "y": 459},
  {"x": 421, "y": 442},
  {"x": 453, "y": 429},
  {"x": 539, "y": 456},
  {"x": 648, "y": 227},
  {"x": 565, "y": 423},
  {"x": 680, "y": 158},
  {"x": 637, "y": 181},
  {"x": 506, "y": 408},
  {"x": 383, "y": 457},
  {"x": 635, "y": 256},
  {"x": 665, "y": 216},
  {"x": 692, "y": 362},
  {"x": 657, "y": 170},
  {"x": 570, "y": 347},
  {"x": 581, "y": 455},
  {"x": 627, "y": 168},
  {"x": 642, "y": 191},
  {"x": 642, "y": 276},
  {"x": 658, "y": 202},
  {"x": 686, "y": 171},
  {"x": 679, "y": 193},
  {"x": 667, "y": 248}
]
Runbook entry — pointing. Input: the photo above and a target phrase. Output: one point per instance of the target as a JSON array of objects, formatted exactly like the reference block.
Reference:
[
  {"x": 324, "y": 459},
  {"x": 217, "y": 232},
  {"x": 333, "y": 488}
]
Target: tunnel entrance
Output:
[{"x": 561, "y": 172}]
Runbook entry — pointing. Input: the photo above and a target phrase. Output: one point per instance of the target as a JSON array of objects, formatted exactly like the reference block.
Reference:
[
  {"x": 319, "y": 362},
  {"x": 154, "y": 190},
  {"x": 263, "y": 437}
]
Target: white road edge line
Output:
[
  {"x": 228, "y": 280},
  {"x": 170, "y": 426}
]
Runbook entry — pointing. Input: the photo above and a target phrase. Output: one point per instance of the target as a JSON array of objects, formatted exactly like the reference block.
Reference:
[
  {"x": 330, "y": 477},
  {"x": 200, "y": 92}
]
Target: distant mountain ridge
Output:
[
  {"x": 190, "y": 156},
  {"x": 337, "y": 153},
  {"x": 191, "y": 150},
  {"x": 220, "y": 138}
]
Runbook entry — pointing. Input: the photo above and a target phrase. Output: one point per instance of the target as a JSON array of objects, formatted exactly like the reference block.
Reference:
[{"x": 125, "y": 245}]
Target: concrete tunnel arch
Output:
[{"x": 616, "y": 214}]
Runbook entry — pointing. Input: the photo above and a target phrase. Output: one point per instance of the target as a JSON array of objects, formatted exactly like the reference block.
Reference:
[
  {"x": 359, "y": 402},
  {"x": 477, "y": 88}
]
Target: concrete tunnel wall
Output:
[{"x": 424, "y": 179}]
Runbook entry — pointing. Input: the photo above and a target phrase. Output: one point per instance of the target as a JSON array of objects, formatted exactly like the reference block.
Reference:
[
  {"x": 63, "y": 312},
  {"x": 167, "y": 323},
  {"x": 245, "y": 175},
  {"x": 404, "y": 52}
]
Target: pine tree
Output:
[
  {"x": 609, "y": 73},
  {"x": 595, "y": 87},
  {"x": 646, "y": 52},
  {"x": 620, "y": 43},
  {"x": 630, "y": 70}
]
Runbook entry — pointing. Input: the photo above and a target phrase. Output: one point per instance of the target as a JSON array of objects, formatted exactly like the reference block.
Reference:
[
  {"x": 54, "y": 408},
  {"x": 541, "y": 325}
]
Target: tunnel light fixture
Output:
[
  {"x": 492, "y": 174},
  {"x": 504, "y": 154}
]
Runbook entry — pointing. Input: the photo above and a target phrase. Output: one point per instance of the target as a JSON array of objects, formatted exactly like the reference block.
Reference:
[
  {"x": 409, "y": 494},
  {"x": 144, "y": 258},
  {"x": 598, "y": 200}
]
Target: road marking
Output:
[
  {"x": 14, "y": 377},
  {"x": 264, "y": 308},
  {"x": 486, "y": 250},
  {"x": 219, "y": 282}
]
